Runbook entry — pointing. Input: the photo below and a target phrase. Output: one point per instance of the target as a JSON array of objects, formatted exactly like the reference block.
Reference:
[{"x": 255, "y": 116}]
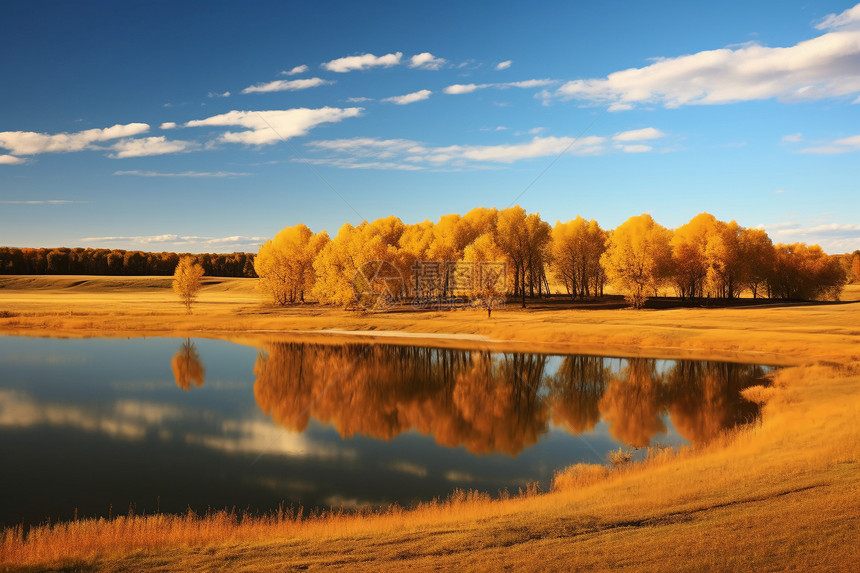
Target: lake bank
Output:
[
  {"x": 782, "y": 494},
  {"x": 784, "y": 334}
]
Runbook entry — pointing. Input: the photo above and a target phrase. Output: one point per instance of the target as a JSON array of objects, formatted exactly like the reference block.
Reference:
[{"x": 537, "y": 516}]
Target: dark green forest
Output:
[{"x": 117, "y": 262}]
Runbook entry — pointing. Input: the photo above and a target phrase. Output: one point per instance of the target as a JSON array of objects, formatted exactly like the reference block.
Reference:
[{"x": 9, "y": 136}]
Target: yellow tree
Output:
[
  {"x": 638, "y": 258},
  {"x": 476, "y": 222},
  {"x": 855, "y": 267},
  {"x": 575, "y": 250},
  {"x": 525, "y": 240},
  {"x": 512, "y": 237},
  {"x": 688, "y": 255},
  {"x": 489, "y": 280},
  {"x": 538, "y": 235},
  {"x": 354, "y": 253},
  {"x": 285, "y": 264},
  {"x": 757, "y": 259},
  {"x": 413, "y": 247},
  {"x": 723, "y": 254},
  {"x": 807, "y": 273},
  {"x": 186, "y": 281}
]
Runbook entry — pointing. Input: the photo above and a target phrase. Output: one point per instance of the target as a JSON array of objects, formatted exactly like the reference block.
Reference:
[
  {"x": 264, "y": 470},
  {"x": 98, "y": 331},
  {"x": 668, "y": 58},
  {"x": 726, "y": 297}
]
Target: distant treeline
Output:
[{"x": 117, "y": 262}]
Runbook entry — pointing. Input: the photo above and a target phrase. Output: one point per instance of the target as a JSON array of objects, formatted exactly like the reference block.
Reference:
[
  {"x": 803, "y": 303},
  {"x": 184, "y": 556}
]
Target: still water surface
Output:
[{"x": 96, "y": 426}]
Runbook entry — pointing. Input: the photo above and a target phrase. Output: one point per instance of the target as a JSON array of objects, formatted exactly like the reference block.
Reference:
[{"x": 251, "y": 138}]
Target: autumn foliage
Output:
[
  {"x": 186, "y": 281},
  {"x": 705, "y": 258}
]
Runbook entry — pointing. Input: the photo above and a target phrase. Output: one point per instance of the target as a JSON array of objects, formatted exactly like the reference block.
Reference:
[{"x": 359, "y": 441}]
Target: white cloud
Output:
[
  {"x": 834, "y": 238},
  {"x": 268, "y": 127},
  {"x": 216, "y": 94},
  {"x": 793, "y": 138},
  {"x": 409, "y": 98},
  {"x": 286, "y": 85},
  {"x": 353, "y": 163},
  {"x": 296, "y": 70},
  {"x": 537, "y": 147},
  {"x": 457, "y": 89},
  {"x": 357, "y": 144},
  {"x": 371, "y": 153},
  {"x": 193, "y": 174},
  {"x": 847, "y": 19},
  {"x": 635, "y": 148},
  {"x": 358, "y": 99},
  {"x": 822, "y": 67},
  {"x": 147, "y": 146},
  {"x": 845, "y": 145},
  {"x": 177, "y": 240},
  {"x": 504, "y": 65},
  {"x": 426, "y": 61},
  {"x": 168, "y": 125},
  {"x": 644, "y": 134},
  {"x": 31, "y": 143},
  {"x": 362, "y": 62},
  {"x": 527, "y": 84},
  {"x": 11, "y": 160}
]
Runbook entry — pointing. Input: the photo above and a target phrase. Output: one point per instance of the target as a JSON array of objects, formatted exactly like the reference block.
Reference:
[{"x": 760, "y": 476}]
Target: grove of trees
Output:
[
  {"x": 705, "y": 258},
  {"x": 450, "y": 259},
  {"x": 116, "y": 262}
]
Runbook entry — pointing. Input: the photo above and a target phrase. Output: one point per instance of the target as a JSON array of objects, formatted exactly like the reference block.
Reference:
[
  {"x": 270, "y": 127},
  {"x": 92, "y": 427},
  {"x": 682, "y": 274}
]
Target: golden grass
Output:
[
  {"x": 781, "y": 495},
  {"x": 774, "y": 496},
  {"x": 232, "y": 308}
]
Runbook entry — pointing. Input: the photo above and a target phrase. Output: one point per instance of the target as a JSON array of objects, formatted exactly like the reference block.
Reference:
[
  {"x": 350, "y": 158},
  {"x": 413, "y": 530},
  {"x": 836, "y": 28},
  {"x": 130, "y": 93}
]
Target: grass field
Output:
[{"x": 783, "y": 495}]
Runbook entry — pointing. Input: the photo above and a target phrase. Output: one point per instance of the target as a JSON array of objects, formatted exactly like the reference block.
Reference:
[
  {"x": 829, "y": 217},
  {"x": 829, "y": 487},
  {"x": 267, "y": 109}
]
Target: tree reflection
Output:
[
  {"x": 487, "y": 403},
  {"x": 706, "y": 397},
  {"x": 633, "y": 403},
  {"x": 576, "y": 389},
  {"x": 187, "y": 367},
  {"x": 490, "y": 402}
]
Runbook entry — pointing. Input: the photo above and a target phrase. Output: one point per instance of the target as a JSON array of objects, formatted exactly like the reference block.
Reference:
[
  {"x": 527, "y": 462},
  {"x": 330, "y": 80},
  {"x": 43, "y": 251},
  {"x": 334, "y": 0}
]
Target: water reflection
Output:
[
  {"x": 187, "y": 367},
  {"x": 575, "y": 390},
  {"x": 369, "y": 425},
  {"x": 493, "y": 402}
]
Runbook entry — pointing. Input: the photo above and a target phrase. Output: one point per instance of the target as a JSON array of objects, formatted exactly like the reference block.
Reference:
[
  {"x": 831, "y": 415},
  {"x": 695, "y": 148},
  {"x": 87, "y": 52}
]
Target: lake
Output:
[{"x": 96, "y": 427}]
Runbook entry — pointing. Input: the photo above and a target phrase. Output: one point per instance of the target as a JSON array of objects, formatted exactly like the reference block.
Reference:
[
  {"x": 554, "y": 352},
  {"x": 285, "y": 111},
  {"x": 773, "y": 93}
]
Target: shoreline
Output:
[{"x": 760, "y": 490}]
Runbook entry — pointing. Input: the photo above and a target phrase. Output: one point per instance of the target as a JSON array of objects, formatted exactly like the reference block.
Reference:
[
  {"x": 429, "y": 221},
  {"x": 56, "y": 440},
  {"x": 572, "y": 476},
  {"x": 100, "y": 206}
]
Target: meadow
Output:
[{"x": 780, "y": 494}]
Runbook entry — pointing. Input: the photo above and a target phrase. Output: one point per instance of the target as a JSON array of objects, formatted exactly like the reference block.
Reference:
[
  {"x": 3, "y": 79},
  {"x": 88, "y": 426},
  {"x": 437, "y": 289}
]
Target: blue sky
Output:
[{"x": 210, "y": 126}]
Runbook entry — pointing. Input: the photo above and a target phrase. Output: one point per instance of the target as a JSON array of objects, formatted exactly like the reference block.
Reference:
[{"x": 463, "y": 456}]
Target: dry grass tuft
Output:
[{"x": 579, "y": 476}]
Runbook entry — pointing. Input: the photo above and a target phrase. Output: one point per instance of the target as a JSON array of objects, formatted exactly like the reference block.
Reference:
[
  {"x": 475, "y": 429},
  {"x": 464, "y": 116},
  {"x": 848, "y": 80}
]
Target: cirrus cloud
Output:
[
  {"x": 268, "y": 127},
  {"x": 404, "y": 154},
  {"x": 183, "y": 174},
  {"x": 844, "y": 145},
  {"x": 286, "y": 85},
  {"x": 457, "y": 89}
]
